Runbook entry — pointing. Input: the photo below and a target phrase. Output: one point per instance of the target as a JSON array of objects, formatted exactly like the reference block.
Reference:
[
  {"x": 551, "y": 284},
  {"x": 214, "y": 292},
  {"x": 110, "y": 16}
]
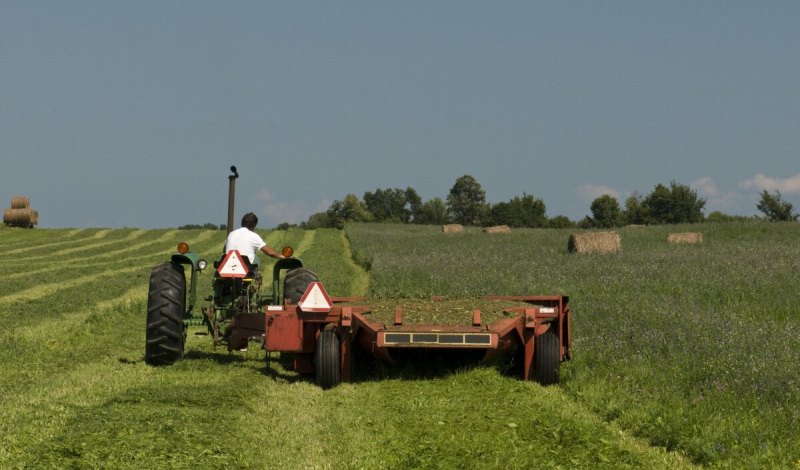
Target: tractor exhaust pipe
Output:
[{"x": 231, "y": 196}]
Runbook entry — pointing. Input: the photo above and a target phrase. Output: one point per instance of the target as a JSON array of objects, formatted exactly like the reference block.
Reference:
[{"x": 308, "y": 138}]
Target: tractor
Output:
[
  {"x": 235, "y": 312},
  {"x": 319, "y": 332}
]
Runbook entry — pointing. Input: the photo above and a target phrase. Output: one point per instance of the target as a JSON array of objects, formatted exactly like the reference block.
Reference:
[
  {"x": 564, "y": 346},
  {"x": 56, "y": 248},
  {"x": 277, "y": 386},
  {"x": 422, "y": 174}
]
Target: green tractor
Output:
[{"x": 235, "y": 314}]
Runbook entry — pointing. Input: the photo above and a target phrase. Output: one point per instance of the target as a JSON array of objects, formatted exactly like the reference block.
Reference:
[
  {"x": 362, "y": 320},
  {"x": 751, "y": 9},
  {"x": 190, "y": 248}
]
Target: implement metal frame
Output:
[{"x": 287, "y": 328}]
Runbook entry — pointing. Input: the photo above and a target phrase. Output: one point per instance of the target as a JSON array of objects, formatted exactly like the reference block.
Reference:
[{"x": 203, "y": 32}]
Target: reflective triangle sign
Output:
[
  {"x": 233, "y": 265},
  {"x": 315, "y": 299}
]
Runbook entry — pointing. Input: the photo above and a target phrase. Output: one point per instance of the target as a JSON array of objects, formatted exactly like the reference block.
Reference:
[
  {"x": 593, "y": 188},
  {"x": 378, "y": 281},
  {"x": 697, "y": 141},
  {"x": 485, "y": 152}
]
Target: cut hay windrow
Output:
[
  {"x": 452, "y": 228},
  {"x": 38, "y": 291},
  {"x": 497, "y": 229},
  {"x": 685, "y": 237},
  {"x": 305, "y": 242},
  {"x": 594, "y": 242},
  {"x": 132, "y": 235},
  {"x": 360, "y": 283},
  {"x": 46, "y": 247}
]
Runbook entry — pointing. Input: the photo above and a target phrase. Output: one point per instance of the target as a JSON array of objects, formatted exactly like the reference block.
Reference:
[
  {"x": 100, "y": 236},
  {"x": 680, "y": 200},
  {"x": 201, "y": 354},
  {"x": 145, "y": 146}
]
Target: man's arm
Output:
[{"x": 270, "y": 252}]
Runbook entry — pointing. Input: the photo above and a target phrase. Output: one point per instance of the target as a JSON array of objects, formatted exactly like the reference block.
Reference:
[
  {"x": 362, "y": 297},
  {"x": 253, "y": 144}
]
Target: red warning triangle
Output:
[
  {"x": 233, "y": 265},
  {"x": 315, "y": 299}
]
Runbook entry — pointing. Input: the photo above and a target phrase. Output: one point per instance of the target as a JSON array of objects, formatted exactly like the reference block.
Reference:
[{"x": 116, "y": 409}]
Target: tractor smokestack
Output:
[{"x": 231, "y": 196}]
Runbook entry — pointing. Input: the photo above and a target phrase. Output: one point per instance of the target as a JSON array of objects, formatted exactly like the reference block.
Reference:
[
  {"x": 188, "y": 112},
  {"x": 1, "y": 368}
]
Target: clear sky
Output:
[{"x": 129, "y": 113}]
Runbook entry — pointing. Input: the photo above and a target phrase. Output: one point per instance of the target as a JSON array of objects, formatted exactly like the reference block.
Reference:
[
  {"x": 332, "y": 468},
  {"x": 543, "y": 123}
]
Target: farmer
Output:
[{"x": 247, "y": 241}]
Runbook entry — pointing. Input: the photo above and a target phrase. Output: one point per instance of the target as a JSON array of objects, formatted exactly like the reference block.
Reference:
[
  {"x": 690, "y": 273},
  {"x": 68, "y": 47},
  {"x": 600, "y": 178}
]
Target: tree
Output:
[
  {"x": 414, "y": 203},
  {"x": 387, "y": 205},
  {"x": 351, "y": 209},
  {"x": 719, "y": 216},
  {"x": 206, "y": 226},
  {"x": 525, "y": 211},
  {"x": 635, "y": 213},
  {"x": 677, "y": 204},
  {"x": 466, "y": 202},
  {"x": 585, "y": 223},
  {"x": 432, "y": 212},
  {"x": 560, "y": 221},
  {"x": 318, "y": 220},
  {"x": 775, "y": 208},
  {"x": 606, "y": 212}
]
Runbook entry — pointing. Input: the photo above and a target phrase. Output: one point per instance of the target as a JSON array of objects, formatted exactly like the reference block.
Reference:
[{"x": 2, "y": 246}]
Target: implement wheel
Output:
[
  {"x": 546, "y": 358},
  {"x": 327, "y": 359},
  {"x": 165, "y": 304},
  {"x": 296, "y": 283}
]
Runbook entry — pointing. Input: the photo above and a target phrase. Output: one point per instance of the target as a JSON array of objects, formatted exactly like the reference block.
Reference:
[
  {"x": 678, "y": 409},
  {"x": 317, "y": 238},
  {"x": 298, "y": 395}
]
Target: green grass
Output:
[{"x": 683, "y": 355}]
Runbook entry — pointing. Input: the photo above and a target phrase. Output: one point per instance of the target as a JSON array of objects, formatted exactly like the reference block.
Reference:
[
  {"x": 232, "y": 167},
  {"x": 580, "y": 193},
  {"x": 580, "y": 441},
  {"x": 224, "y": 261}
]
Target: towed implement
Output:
[{"x": 320, "y": 333}]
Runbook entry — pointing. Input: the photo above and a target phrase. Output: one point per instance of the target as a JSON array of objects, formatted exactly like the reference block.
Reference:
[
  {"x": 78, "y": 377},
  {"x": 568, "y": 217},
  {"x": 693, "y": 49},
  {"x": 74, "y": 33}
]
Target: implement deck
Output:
[{"x": 432, "y": 311}]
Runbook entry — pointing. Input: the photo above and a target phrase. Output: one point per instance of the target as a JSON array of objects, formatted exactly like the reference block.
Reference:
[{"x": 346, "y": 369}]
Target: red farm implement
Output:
[{"x": 323, "y": 336}]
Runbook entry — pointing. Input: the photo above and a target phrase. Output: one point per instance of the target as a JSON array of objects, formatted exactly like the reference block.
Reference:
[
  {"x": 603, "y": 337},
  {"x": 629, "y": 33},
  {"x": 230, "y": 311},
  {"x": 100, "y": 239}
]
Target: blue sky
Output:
[{"x": 129, "y": 113}]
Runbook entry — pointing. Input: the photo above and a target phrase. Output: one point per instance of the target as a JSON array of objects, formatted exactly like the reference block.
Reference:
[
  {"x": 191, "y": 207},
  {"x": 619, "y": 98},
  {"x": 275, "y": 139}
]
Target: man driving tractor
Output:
[{"x": 246, "y": 241}]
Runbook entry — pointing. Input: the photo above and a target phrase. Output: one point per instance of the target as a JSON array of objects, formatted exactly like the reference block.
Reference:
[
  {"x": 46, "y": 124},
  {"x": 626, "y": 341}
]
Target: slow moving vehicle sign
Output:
[
  {"x": 233, "y": 265},
  {"x": 315, "y": 299}
]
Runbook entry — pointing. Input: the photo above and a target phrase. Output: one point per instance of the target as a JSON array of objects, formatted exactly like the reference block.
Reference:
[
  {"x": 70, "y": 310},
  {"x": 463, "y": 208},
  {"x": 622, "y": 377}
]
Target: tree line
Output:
[{"x": 466, "y": 204}]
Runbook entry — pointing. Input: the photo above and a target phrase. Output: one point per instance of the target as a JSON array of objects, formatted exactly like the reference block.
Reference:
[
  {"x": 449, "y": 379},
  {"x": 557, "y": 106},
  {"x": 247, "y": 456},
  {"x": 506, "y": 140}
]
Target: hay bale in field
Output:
[
  {"x": 497, "y": 229},
  {"x": 20, "y": 202},
  {"x": 20, "y": 217},
  {"x": 452, "y": 228},
  {"x": 635, "y": 226},
  {"x": 685, "y": 237},
  {"x": 594, "y": 242}
]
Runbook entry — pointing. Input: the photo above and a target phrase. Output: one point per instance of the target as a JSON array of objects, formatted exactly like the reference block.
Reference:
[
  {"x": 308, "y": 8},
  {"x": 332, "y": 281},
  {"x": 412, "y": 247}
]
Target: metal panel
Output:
[{"x": 283, "y": 332}]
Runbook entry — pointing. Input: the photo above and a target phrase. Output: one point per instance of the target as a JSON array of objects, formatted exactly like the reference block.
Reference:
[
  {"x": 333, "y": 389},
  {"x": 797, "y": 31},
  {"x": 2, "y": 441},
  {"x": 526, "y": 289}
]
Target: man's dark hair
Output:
[{"x": 250, "y": 221}]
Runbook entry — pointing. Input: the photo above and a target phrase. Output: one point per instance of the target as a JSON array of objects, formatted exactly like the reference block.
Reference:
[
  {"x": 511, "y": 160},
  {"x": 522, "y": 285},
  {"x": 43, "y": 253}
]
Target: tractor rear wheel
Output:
[
  {"x": 327, "y": 359},
  {"x": 546, "y": 358},
  {"x": 165, "y": 305},
  {"x": 296, "y": 282}
]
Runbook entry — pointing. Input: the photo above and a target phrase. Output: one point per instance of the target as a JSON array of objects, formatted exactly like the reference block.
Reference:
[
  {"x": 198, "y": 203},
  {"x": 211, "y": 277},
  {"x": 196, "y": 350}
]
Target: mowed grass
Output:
[
  {"x": 75, "y": 392},
  {"x": 693, "y": 348},
  {"x": 686, "y": 348}
]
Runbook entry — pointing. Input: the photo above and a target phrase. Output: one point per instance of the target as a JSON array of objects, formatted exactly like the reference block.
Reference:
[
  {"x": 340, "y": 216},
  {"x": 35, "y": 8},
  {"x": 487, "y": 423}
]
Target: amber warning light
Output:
[
  {"x": 287, "y": 251},
  {"x": 183, "y": 248}
]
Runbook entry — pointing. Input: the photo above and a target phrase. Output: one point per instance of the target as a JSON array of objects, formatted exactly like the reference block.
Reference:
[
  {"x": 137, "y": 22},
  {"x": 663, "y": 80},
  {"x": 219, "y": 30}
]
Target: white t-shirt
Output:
[{"x": 245, "y": 241}]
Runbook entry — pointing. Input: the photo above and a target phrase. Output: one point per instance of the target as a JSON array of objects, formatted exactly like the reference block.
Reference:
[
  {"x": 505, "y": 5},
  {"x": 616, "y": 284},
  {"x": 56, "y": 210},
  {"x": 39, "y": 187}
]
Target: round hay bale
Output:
[
  {"x": 452, "y": 228},
  {"x": 685, "y": 237},
  {"x": 20, "y": 202},
  {"x": 497, "y": 229},
  {"x": 20, "y": 217},
  {"x": 594, "y": 242}
]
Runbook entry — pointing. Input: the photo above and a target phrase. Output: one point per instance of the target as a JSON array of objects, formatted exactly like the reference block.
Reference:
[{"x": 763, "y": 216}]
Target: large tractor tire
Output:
[
  {"x": 296, "y": 282},
  {"x": 327, "y": 360},
  {"x": 165, "y": 306},
  {"x": 546, "y": 358}
]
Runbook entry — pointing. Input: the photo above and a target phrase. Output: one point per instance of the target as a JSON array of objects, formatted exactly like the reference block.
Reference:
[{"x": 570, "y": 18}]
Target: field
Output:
[{"x": 683, "y": 356}]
